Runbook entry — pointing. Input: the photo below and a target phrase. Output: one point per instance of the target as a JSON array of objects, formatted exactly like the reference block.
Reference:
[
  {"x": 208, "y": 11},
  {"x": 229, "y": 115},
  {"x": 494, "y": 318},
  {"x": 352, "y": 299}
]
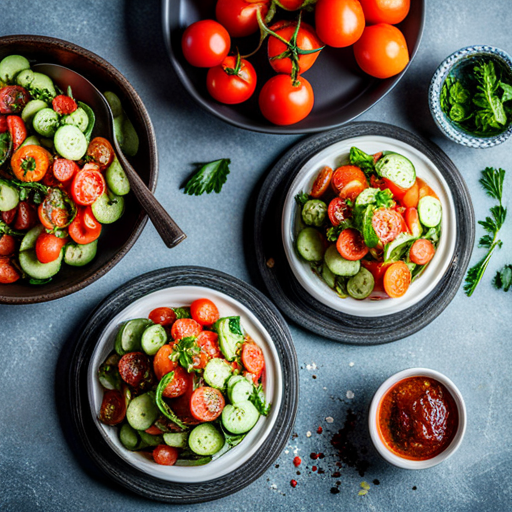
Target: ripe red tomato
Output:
[
  {"x": 13, "y": 99},
  {"x": 206, "y": 404},
  {"x": 291, "y": 5},
  {"x": 205, "y": 44},
  {"x": 178, "y": 385},
  {"x": 322, "y": 182},
  {"x": 207, "y": 342},
  {"x": 135, "y": 368},
  {"x": 64, "y": 105},
  {"x": 87, "y": 186},
  {"x": 163, "y": 316},
  {"x": 101, "y": 151},
  {"x": 385, "y": 11},
  {"x": 204, "y": 311},
  {"x": 64, "y": 169},
  {"x": 7, "y": 245},
  {"x": 337, "y": 211},
  {"x": 8, "y": 274},
  {"x": 387, "y": 224},
  {"x": 239, "y": 16},
  {"x": 184, "y": 328},
  {"x": 253, "y": 359},
  {"x": 18, "y": 131},
  {"x": 48, "y": 247},
  {"x": 382, "y": 51},
  {"x": 306, "y": 40},
  {"x": 230, "y": 88},
  {"x": 26, "y": 217},
  {"x": 284, "y": 103},
  {"x": 85, "y": 228},
  {"x": 339, "y": 23},
  {"x": 113, "y": 407},
  {"x": 165, "y": 455}
]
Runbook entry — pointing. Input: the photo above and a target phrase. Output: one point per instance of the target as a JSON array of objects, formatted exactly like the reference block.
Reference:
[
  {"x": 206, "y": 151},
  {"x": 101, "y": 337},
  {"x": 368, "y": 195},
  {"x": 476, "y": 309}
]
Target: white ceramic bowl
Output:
[
  {"x": 384, "y": 451},
  {"x": 337, "y": 155},
  {"x": 184, "y": 296}
]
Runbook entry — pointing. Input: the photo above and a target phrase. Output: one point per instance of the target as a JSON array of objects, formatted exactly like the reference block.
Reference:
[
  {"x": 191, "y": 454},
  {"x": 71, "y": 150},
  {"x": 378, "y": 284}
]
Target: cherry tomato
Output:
[
  {"x": 412, "y": 196},
  {"x": 322, "y": 182},
  {"x": 385, "y": 11},
  {"x": 85, "y": 228},
  {"x": 240, "y": 17},
  {"x": 113, "y": 408},
  {"x": 185, "y": 327},
  {"x": 206, "y": 404},
  {"x": 397, "y": 191},
  {"x": 346, "y": 174},
  {"x": 306, "y": 40},
  {"x": 26, "y": 217},
  {"x": 291, "y": 5},
  {"x": 208, "y": 343},
  {"x": 425, "y": 190},
  {"x": 378, "y": 182},
  {"x": 30, "y": 163},
  {"x": 53, "y": 212},
  {"x": 161, "y": 363},
  {"x": 135, "y": 369},
  {"x": 199, "y": 361},
  {"x": 101, "y": 152},
  {"x": 178, "y": 384},
  {"x": 8, "y": 274},
  {"x": 18, "y": 131},
  {"x": 153, "y": 431},
  {"x": 49, "y": 247},
  {"x": 422, "y": 251},
  {"x": 181, "y": 405},
  {"x": 9, "y": 216},
  {"x": 204, "y": 312},
  {"x": 7, "y": 245},
  {"x": 163, "y": 316},
  {"x": 51, "y": 181},
  {"x": 13, "y": 99},
  {"x": 413, "y": 221},
  {"x": 230, "y": 88},
  {"x": 339, "y": 23},
  {"x": 64, "y": 105},
  {"x": 253, "y": 359},
  {"x": 64, "y": 170},
  {"x": 87, "y": 186},
  {"x": 205, "y": 44},
  {"x": 353, "y": 189},
  {"x": 387, "y": 224},
  {"x": 165, "y": 455},
  {"x": 337, "y": 211},
  {"x": 382, "y": 51},
  {"x": 397, "y": 279},
  {"x": 351, "y": 245},
  {"x": 283, "y": 103},
  {"x": 3, "y": 123}
]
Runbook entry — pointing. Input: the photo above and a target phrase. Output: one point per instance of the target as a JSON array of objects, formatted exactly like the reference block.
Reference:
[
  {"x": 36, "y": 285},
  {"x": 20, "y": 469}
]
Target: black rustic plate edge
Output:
[
  {"x": 99, "y": 452},
  {"x": 307, "y": 312}
]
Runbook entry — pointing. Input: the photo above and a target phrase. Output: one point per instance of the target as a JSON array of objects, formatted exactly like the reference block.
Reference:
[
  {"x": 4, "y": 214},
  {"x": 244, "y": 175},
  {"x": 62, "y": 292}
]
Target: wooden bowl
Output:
[{"x": 115, "y": 240}]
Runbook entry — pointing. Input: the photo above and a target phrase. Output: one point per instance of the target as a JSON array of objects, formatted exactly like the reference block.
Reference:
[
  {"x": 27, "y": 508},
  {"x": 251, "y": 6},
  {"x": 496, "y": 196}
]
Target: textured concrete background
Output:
[{"x": 470, "y": 342}]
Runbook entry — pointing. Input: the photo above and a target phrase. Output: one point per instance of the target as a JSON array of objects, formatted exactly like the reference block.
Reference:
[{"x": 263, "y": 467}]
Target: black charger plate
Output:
[
  {"x": 88, "y": 440},
  {"x": 342, "y": 90},
  {"x": 302, "y": 308}
]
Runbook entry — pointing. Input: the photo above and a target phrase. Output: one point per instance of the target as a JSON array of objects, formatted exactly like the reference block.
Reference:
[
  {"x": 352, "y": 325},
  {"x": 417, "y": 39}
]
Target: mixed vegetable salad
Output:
[
  {"x": 58, "y": 186},
  {"x": 183, "y": 385},
  {"x": 370, "y": 228}
]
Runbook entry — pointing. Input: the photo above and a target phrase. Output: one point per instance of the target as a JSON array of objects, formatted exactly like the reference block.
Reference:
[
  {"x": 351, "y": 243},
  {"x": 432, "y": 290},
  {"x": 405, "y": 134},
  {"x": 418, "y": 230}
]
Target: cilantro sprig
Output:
[
  {"x": 184, "y": 352},
  {"x": 210, "y": 177}
]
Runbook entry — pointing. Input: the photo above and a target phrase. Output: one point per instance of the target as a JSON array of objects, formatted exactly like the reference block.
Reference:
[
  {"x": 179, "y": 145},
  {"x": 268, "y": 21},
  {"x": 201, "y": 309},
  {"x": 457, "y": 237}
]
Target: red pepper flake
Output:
[
  {"x": 321, "y": 456},
  {"x": 297, "y": 461},
  {"x": 293, "y": 483},
  {"x": 319, "y": 430},
  {"x": 336, "y": 474},
  {"x": 314, "y": 468},
  {"x": 314, "y": 455}
]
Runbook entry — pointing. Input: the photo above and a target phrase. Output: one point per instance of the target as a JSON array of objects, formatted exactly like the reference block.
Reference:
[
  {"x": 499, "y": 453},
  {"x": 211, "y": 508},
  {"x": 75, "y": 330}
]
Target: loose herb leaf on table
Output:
[
  {"x": 210, "y": 177},
  {"x": 503, "y": 278}
]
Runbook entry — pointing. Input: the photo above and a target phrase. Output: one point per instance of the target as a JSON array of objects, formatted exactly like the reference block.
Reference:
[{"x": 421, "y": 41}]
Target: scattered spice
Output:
[
  {"x": 319, "y": 430},
  {"x": 321, "y": 456},
  {"x": 334, "y": 490},
  {"x": 365, "y": 487},
  {"x": 293, "y": 483},
  {"x": 329, "y": 419},
  {"x": 414, "y": 488},
  {"x": 314, "y": 455},
  {"x": 376, "y": 482},
  {"x": 321, "y": 471},
  {"x": 270, "y": 263},
  {"x": 350, "y": 394},
  {"x": 308, "y": 434},
  {"x": 314, "y": 468},
  {"x": 297, "y": 461},
  {"x": 336, "y": 474},
  {"x": 351, "y": 364},
  {"x": 314, "y": 376},
  {"x": 298, "y": 473}
]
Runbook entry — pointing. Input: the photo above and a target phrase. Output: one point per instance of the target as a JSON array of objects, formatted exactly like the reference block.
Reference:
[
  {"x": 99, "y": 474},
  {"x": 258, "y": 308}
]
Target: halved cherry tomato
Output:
[
  {"x": 338, "y": 211},
  {"x": 64, "y": 169},
  {"x": 322, "y": 182},
  {"x": 344, "y": 175},
  {"x": 253, "y": 359},
  {"x": 411, "y": 196},
  {"x": 49, "y": 247},
  {"x": 113, "y": 408},
  {"x": 425, "y": 190},
  {"x": 26, "y": 217},
  {"x": 101, "y": 152},
  {"x": 165, "y": 455},
  {"x": 387, "y": 224},
  {"x": 163, "y": 316},
  {"x": 377, "y": 268},
  {"x": 339, "y": 23},
  {"x": 181, "y": 405},
  {"x": 422, "y": 251},
  {"x": 13, "y": 99},
  {"x": 199, "y": 361},
  {"x": 385, "y": 11},
  {"x": 205, "y": 44},
  {"x": 178, "y": 384},
  {"x": 52, "y": 217},
  {"x": 153, "y": 431},
  {"x": 64, "y": 105},
  {"x": 283, "y": 103},
  {"x": 30, "y": 163},
  {"x": 353, "y": 189},
  {"x": 87, "y": 186},
  {"x": 378, "y": 182},
  {"x": 51, "y": 181},
  {"x": 208, "y": 343},
  {"x": 8, "y": 274},
  {"x": 206, "y": 404},
  {"x": 7, "y": 245},
  {"x": 9, "y": 216},
  {"x": 134, "y": 368},
  {"x": 397, "y": 279},
  {"x": 185, "y": 327},
  {"x": 397, "y": 191},
  {"x": 161, "y": 363},
  {"x": 18, "y": 131},
  {"x": 204, "y": 312},
  {"x": 240, "y": 17},
  {"x": 85, "y": 228},
  {"x": 412, "y": 220},
  {"x": 351, "y": 245}
]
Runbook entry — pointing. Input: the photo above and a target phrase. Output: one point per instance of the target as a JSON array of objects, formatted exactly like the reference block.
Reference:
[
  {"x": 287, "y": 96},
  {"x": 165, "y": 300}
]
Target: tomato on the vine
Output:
[
  {"x": 385, "y": 11},
  {"x": 339, "y": 23},
  {"x": 239, "y": 17},
  {"x": 205, "y": 43}
]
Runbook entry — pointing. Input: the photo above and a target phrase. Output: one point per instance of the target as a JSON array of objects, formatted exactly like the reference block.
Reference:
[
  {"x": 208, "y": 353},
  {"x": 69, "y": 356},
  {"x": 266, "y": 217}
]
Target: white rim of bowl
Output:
[{"x": 384, "y": 451}]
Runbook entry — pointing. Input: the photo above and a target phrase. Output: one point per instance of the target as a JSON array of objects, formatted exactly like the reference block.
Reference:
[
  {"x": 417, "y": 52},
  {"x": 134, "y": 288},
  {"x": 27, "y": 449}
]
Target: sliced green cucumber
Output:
[
  {"x": 35, "y": 269},
  {"x": 130, "y": 145},
  {"x": 92, "y": 119},
  {"x": 9, "y": 197},
  {"x": 233, "y": 380},
  {"x": 77, "y": 118},
  {"x": 340, "y": 266},
  {"x": 42, "y": 86},
  {"x": 108, "y": 208},
  {"x": 240, "y": 392},
  {"x": 366, "y": 197},
  {"x": 230, "y": 336},
  {"x": 129, "y": 437},
  {"x": 118, "y": 129},
  {"x": 31, "y": 141},
  {"x": 176, "y": 439},
  {"x": 398, "y": 169},
  {"x": 45, "y": 122},
  {"x": 29, "y": 240},
  {"x": 240, "y": 418},
  {"x": 217, "y": 372},
  {"x": 370, "y": 236},
  {"x": 396, "y": 249},
  {"x": 142, "y": 411},
  {"x": 429, "y": 211},
  {"x": 129, "y": 337},
  {"x": 328, "y": 276},
  {"x": 153, "y": 338},
  {"x": 78, "y": 255},
  {"x": 361, "y": 285},
  {"x": 205, "y": 439},
  {"x": 11, "y": 66},
  {"x": 117, "y": 180},
  {"x": 150, "y": 440},
  {"x": 114, "y": 102},
  {"x": 310, "y": 244},
  {"x": 314, "y": 212},
  {"x": 69, "y": 142},
  {"x": 31, "y": 109},
  {"x": 25, "y": 78}
]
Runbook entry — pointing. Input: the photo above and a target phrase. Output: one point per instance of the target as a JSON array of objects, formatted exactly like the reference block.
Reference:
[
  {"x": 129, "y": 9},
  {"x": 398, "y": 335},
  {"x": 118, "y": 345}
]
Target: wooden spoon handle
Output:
[{"x": 168, "y": 230}]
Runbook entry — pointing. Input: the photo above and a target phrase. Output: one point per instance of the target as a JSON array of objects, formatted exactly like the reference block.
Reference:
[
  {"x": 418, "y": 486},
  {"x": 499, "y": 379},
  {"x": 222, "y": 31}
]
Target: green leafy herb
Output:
[
  {"x": 384, "y": 199},
  {"x": 231, "y": 439},
  {"x": 492, "y": 182},
  {"x": 182, "y": 313},
  {"x": 40, "y": 94},
  {"x": 209, "y": 178},
  {"x": 258, "y": 399},
  {"x": 5, "y": 229},
  {"x": 184, "y": 351},
  {"x": 503, "y": 278},
  {"x": 235, "y": 326},
  {"x": 164, "y": 406},
  {"x": 363, "y": 160},
  {"x": 302, "y": 198},
  {"x": 507, "y": 92},
  {"x": 334, "y": 232}
]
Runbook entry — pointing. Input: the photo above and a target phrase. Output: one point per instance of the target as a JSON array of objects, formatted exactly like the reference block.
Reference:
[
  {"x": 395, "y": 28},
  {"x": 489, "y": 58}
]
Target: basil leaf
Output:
[{"x": 164, "y": 406}]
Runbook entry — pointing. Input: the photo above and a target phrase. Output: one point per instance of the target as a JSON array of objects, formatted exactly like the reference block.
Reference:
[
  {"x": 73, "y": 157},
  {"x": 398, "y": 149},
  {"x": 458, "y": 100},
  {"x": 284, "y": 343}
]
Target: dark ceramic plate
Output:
[
  {"x": 116, "y": 240},
  {"x": 85, "y": 437},
  {"x": 300, "y": 306},
  {"x": 342, "y": 90}
]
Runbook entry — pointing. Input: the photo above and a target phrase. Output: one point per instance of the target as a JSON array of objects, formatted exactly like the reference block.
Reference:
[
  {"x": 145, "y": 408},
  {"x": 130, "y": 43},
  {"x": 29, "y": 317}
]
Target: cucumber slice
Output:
[
  {"x": 78, "y": 255},
  {"x": 70, "y": 142},
  {"x": 233, "y": 380},
  {"x": 108, "y": 208},
  {"x": 370, "y": 237},
  {"x": 142, "y": 411},
  {"x": 118, "y": 129},
  {"x": 205, "y": 439},
  {"x": 42, "y": 85},
  {"x": 31, "y": 141},
  {"x": 77, "y": 118},
  {"x": 153, "y": 338},
  {"x": 430, "y": 211},
  {"x": 25, "y": 78},
  {"x": 11, "y": 66},
  {"x": 9, "y": 197},
  {"x": 328, "y": 276},
  {"x": 396, "y": 249},
  {"x": 117, "y": 180},
  {"x": 37, "y": 270},
  {"x": 361, "y": 285},
  {"x": 129, "y": 337},
  {"x": 129, "y": 437},
  {"x": 29, "y": 240},
  {"x": 45, "y": 122},
  {"x": 366, "y": 197},
  {"x": 130, "y": 145},
  {"x": 149, "y": 439},
  {"x": 217, "y": 372},
  {"x": 114, "y": 102},
  {"x": 339, "y": 265},
  {"x": 240, "y": 392},
  {"x": 314, "y": 212},
  {"x": 230, "y": 336},
  {"x": 240, "y": 418},
  {"x": 91, "y": 117},
  {"x": 310, "y": 244},
  {"x": 176, "y": 439},
  {"x": 31, "y": 109},
  {"x": 398, "y": 169}
]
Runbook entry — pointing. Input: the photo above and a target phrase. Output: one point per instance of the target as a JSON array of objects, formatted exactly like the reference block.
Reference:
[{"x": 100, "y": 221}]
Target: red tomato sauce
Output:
[{"x": 417, "y": 418}]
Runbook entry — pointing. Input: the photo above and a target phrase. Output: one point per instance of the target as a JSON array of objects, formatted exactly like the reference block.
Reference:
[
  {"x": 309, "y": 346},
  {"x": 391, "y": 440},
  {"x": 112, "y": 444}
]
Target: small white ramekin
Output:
[{"x": 379, "y": 444}]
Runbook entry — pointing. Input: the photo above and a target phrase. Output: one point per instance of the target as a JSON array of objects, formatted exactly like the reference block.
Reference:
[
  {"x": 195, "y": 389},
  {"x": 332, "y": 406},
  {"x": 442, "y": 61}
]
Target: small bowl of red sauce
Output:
[{"x": 417, "y": 419}]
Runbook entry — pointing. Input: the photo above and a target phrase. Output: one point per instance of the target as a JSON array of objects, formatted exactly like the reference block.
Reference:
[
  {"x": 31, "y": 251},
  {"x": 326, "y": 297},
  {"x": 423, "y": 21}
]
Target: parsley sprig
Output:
[
  {"x": 184, "y": 352},
  {"x": 492, "y": 182},
  {"x": 503, "y": 278},
  {"x": 210, "y": 177}
]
